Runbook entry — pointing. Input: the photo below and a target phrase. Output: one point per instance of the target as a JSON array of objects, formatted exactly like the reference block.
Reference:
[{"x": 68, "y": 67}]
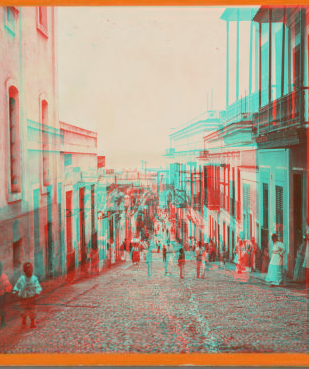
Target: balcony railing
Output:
[
  {"x": 243, "y": 108},
  {"x": 281, "y": 113},
  {"x": 169, "y": 151}
]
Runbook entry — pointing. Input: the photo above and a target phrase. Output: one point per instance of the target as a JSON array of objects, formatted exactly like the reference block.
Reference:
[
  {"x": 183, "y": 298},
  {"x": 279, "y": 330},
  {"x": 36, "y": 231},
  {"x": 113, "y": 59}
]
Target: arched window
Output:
[{"x": 45, "y": 143}]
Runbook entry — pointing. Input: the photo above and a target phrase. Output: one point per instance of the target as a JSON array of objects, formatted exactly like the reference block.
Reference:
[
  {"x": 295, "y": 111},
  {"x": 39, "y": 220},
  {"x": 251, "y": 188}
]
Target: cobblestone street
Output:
[{"x": 125, "y": 311}]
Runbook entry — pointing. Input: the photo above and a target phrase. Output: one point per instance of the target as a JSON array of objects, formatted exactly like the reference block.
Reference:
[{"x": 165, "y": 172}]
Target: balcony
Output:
[
  {"x": 282, "y": 113},
  {"x": 203, "y": 154},
  {"x": 169, "y": 152},
  {"x": 243, "y": 108}
]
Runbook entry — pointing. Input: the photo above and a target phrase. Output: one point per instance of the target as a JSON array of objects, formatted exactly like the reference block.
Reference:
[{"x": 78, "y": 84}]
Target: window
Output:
[
  {"x": 42, "y": 20},
  {"x": 45, "y": 143},
  {"x": 14, "y": 153}
]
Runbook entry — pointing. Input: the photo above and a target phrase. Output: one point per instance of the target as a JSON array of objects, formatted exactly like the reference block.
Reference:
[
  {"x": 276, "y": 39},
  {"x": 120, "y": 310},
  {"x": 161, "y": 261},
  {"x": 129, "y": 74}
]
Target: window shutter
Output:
[
  {"x": 265, "y": 205},
  {"x": 279, "y": 211}
]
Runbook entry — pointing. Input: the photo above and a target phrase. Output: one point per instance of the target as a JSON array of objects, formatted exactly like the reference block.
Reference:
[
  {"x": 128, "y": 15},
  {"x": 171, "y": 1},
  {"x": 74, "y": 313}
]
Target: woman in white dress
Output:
[{"x": 275, "y": 269}]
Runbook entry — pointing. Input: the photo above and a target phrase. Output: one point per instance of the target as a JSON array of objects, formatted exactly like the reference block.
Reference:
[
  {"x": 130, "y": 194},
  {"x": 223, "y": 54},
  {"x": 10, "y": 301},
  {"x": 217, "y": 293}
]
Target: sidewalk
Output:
[
  {"x": 52, "y": 284},
  {"x": 288, "y": 283}
]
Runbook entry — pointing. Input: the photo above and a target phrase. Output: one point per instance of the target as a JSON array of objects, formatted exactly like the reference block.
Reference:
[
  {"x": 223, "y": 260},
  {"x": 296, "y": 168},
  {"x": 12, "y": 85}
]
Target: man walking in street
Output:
[
  {"x": 164, "y": 252},
  {"x": 181, "y": 263},
  {"x": 198, "y": 261}
]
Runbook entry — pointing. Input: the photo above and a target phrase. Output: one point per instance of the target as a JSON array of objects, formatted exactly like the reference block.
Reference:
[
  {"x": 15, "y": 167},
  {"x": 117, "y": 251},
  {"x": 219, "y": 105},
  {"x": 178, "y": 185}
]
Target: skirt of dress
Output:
[
  {"x": 299, "y": 271},
  {"x": 242, "y": 274},
  {"x": 135, "y": 257},
  {"x": 235, "y": 259},
  {"x": 275, "y": 274}
]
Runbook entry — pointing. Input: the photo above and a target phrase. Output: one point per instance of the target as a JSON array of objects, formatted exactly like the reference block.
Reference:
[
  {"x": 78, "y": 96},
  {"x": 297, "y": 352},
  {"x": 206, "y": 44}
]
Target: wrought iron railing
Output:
[
  {"x": 280, "y": 113},
  {"x": 169, "y": 151},
  {"x": 243, "y": 108}
]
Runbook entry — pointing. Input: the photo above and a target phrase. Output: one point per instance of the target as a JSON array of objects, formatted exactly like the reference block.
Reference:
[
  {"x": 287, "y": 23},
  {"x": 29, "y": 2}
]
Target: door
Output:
[
  {"x": 69, "y": 245},
  {"x": 82, "y": 225},
  {"x": 228, "y": 241},
  {"x": 246, "y": 211},
  {"x": 233, "y": 241},
  {"x": 297, "y": 210},
  {"x": 265, "y": 227},
  {"x": 279, "y": 212},
  {"x": 49, "y": 234}
]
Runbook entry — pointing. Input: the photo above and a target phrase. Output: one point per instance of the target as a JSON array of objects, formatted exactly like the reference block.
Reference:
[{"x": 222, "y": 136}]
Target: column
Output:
[
  {"x": 269, "y": 56},
  {"x": 237, "y": 57},
  {"x": 227, "y": 61},
  {"x": 260, "y": 65},
  {"x": 250, "y": 57},
  {"x": 283, "y": 54}
]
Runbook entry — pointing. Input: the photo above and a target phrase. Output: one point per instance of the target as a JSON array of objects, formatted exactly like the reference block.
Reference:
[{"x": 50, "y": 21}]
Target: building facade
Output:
[{"x": 30, "y": 173}]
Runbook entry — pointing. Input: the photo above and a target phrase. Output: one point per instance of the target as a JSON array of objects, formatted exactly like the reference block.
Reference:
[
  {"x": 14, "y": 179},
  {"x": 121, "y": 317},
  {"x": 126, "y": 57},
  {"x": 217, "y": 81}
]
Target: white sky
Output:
[{"x": 133, "y": 73}]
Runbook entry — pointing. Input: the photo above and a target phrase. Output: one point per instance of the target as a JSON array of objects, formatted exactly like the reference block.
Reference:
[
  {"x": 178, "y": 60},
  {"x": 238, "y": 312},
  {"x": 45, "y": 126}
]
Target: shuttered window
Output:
[
  {"x": 279, "y": 211},
  {"x": 246, "y": 210},
  {"x": 265, "y": 206}
]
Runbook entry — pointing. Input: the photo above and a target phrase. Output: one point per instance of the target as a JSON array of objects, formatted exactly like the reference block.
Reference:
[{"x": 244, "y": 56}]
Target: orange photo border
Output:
[{"x": 284, "y": 359}]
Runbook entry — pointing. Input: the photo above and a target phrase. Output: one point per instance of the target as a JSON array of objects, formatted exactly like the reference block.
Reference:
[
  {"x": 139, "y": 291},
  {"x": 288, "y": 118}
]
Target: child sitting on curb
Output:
[{"x": 27, "y": 287}]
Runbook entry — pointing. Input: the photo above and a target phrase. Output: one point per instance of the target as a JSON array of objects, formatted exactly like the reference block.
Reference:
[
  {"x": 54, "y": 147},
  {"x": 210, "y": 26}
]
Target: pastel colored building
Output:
[
  {"x": 80, "y": 167},
  {"x": 31, "y": 180}
]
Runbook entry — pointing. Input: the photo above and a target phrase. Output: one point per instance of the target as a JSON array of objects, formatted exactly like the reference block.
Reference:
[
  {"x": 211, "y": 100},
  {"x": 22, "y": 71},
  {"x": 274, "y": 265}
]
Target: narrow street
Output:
[{"x": 123, "y": 310}]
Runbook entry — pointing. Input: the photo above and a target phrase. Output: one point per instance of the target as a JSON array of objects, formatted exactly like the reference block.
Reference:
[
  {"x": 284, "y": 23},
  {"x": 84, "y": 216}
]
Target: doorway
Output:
[
  {"x": 297, "y": 210},
  {"x": 82, "y": 225}
]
